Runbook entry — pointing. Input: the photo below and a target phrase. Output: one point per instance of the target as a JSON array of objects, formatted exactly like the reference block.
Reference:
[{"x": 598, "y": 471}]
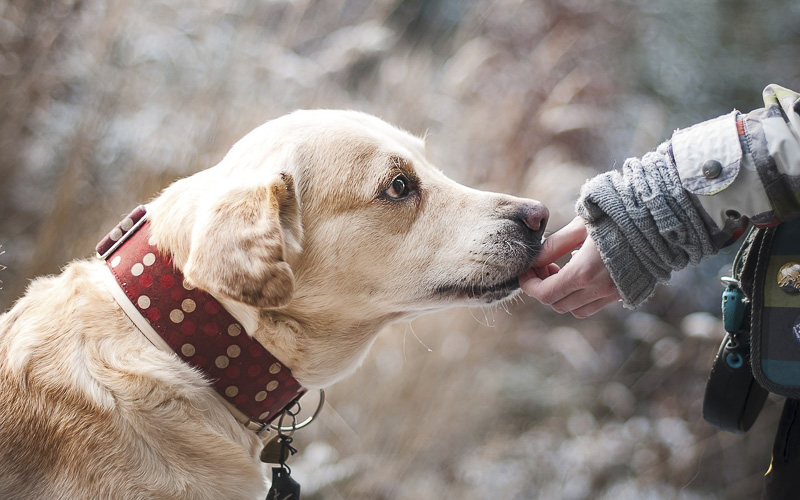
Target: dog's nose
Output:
[{"x": 535, "y": 215}]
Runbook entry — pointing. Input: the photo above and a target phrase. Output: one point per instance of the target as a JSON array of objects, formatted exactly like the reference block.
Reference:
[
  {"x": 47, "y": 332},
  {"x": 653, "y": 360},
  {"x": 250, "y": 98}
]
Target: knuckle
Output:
[{"x": 608, "y": 288}]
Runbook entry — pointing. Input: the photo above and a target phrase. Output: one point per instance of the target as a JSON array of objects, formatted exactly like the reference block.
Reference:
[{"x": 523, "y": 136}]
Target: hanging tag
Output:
[
  {"x": 283, "y": 486},
  {"x": 274, "y": 452}
]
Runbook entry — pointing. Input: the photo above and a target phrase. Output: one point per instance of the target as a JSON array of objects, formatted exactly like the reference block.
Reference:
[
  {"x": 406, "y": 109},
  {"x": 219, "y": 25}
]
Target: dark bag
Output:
[
  {"x": 775, "y": 329},
  {"x": 761, "y": 350}
]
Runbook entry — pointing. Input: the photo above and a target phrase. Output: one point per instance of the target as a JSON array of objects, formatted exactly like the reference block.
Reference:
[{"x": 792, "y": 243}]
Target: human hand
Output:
[{"x": 583, "y": 286}]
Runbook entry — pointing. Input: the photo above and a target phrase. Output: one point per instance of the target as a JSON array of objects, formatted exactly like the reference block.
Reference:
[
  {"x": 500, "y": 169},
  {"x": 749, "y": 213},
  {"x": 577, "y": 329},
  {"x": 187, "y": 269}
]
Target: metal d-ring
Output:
[{"x": 280, "y": 428}]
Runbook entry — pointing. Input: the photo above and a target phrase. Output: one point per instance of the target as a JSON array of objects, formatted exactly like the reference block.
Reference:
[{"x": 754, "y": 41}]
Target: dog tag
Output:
[
  {"x": 283, "y": 486},
  {"x": 274, "y": 452}
]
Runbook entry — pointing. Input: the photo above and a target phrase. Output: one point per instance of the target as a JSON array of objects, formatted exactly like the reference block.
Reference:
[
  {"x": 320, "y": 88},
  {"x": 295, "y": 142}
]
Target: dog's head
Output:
[{"x": 332, "y": 217}]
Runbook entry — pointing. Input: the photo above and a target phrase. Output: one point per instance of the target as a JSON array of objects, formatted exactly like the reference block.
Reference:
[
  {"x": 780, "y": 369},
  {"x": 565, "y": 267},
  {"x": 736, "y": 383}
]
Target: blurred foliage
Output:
[{"x": 103, "y": 103}]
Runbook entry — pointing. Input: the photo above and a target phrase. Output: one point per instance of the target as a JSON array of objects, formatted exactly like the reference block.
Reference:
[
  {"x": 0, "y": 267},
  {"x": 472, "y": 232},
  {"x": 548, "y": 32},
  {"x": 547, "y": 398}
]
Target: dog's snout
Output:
[{"x": 535, "y": 216}]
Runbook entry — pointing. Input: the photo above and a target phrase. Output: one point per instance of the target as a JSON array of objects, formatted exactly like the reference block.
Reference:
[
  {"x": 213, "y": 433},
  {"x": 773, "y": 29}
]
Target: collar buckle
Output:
[{"x": 121, "y": 232}]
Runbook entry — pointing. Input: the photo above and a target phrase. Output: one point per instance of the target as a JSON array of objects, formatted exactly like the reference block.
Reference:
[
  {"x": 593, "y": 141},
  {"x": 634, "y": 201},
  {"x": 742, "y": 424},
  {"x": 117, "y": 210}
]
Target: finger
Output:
[
  {"x": 584, "y": 297},
  {"x": 594, "y": 307},
  {"x": 553, "y": 269},
  {"x": 538, "y": 273},
  {"x": 562, "y": 242},
  {"x": 552, "y": 289},
  {"x": 571, "y": 301},
  {"x": 547, "y": 271},
  {"x": 529, "y": 283}
]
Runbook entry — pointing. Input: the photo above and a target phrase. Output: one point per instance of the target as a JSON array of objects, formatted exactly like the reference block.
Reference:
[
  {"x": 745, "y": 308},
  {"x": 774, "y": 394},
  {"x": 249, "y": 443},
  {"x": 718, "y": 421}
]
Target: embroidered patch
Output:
[
  {"x": 789, "y": 278},
  {"x": 796, "y": 328}
]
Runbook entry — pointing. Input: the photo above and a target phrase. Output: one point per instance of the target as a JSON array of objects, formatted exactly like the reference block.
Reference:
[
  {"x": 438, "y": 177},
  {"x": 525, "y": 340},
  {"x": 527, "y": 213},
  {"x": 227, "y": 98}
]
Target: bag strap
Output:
[{"x": 744, "y": 264}]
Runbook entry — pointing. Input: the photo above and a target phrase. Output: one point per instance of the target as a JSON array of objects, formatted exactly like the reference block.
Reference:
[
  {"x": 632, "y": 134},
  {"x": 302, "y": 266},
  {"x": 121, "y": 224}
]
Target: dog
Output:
[{"x": 315, "y": 231}]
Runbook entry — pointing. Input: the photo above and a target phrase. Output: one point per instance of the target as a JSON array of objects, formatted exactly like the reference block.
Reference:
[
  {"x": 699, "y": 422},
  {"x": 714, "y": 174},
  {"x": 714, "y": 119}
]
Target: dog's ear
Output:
[{"x": 239, "y": 248}]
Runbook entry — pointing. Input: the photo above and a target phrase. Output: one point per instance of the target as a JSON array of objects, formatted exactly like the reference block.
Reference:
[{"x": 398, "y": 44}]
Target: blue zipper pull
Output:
[{"x": 733, "y": 306}]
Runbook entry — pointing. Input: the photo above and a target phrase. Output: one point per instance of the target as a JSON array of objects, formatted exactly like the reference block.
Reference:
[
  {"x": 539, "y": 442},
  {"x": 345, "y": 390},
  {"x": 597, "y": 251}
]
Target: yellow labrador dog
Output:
[{"x": 315, "y": 231}]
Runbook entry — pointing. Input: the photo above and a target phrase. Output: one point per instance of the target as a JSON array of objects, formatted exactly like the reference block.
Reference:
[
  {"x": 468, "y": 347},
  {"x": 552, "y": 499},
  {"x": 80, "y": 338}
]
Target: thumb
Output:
[{"x": 561, "y": 242}]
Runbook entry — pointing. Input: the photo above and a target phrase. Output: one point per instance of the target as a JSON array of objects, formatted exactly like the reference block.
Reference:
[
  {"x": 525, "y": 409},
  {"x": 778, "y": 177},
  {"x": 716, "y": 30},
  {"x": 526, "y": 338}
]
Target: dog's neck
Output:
[{"x": 320, "y": 353}]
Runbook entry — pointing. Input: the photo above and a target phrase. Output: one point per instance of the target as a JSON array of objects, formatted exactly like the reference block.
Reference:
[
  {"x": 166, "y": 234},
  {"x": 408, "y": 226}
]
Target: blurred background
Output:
[{"x": 105, "y": 102}]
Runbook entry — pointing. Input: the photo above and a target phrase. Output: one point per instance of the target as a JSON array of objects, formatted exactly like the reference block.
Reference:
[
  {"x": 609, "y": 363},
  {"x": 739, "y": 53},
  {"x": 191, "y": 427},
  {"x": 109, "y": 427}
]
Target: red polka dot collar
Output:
[{"x": 193, "y": 325}]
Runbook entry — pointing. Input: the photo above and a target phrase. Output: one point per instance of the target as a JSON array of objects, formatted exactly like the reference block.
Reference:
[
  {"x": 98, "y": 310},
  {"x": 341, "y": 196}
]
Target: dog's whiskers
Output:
[
  {"x": 411, "y": 327},
  {"x": 485, "y": 321}
]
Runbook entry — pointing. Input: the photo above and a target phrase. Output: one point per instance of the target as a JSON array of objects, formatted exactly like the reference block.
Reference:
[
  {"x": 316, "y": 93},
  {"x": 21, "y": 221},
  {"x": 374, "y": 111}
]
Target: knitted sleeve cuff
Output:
[
  {"x": 644, "y": 225},
  {"x": 633, "y": 281}
]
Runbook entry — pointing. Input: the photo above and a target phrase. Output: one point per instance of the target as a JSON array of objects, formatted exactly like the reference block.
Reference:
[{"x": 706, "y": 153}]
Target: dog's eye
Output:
[{"x": 399, "y": 188}]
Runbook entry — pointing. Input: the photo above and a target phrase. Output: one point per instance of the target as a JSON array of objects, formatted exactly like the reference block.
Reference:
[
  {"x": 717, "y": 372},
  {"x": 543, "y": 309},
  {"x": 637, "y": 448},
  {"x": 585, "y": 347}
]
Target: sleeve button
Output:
[{"x": 712, "y": 169}]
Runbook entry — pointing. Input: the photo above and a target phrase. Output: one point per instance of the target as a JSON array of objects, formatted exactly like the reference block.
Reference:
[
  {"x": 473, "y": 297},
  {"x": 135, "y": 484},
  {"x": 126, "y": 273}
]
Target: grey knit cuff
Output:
[{"x": 644, "y": 224}]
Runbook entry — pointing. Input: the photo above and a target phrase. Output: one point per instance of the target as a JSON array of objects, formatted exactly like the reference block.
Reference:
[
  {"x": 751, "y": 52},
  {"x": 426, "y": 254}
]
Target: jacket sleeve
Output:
[
  {"x": 695, "y": 194},
  {"x": 743, "y": 167}
]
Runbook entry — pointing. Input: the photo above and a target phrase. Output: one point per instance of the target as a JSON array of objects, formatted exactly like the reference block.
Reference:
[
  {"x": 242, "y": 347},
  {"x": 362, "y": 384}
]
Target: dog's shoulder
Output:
[{"x": 85, "y": 396}]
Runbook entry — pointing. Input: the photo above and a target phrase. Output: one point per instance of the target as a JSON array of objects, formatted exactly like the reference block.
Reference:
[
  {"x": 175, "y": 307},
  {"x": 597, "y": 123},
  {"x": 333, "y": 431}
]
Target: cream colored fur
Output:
[{"x": 298, "y": 233}]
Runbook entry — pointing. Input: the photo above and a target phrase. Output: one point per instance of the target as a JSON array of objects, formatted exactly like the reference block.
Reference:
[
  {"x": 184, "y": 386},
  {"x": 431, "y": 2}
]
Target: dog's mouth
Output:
[
  {"x": 483, "y": 292},
  {"x": 495, "y": 275}
]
